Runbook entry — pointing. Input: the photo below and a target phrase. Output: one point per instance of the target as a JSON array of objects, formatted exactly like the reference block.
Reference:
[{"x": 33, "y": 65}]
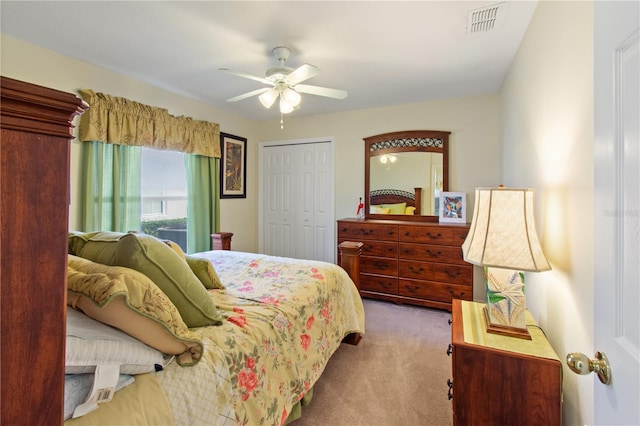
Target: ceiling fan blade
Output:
[
  {"x": 245, "y": 75},
  {"x": 302, "y": 73},
  {"x": 321, "y": 91},
  {"x": 249, "y": 94}
]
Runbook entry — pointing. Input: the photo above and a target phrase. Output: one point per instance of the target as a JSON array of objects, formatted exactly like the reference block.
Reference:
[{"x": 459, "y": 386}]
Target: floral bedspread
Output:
[{"x": 284, "y": 318}]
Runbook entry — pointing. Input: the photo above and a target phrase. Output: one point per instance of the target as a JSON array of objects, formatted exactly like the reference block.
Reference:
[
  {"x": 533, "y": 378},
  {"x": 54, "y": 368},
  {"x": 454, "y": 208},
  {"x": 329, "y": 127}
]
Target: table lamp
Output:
[{"x": 502, "y": 238}]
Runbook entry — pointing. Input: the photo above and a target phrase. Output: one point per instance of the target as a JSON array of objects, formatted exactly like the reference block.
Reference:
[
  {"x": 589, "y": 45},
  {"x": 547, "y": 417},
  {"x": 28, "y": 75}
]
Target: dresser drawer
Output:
[
  {"x": 431, "y": 290},
  {"x": 380, "y": 249},
  {"x": 379, "y": 283},
  {"x": 431, "y": 253},
  {"x": 379, "y": 265},
  {"x": 432, "y": 235},
  {"x": 415, "y": 270},
  {"x": 367, "y": 231},
  {"x": 455, "y": 274}
]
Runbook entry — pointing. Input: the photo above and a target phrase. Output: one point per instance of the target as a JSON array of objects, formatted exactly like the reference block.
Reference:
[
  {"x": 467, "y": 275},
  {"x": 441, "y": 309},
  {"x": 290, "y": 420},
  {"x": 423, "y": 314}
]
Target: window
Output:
[{"x": 164, "y": 195}]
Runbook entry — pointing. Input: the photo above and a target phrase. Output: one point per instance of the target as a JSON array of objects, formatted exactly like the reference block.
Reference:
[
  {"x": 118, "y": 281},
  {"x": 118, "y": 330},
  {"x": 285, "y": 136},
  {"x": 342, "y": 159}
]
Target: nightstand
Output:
[{"x": 500, "y": 380}]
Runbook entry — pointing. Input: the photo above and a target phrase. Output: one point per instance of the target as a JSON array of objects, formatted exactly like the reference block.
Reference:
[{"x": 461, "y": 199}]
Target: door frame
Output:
[{"x": 301, "y": 141}]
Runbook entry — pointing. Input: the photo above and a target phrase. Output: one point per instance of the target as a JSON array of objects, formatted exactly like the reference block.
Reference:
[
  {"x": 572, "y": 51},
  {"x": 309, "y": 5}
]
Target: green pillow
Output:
[
  {"x": 204, "y": 270},
  {"x": 77, "y": 240},
  {"x": 152, "y": 257},
  {"x": 129, "y": 301},
  {"x": 398, "y": 208}
]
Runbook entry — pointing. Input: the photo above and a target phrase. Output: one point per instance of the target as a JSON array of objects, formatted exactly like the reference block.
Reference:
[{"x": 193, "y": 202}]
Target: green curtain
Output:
[
  {"x": 203, "y": 205},
  {"x": 111, "y": 187}
]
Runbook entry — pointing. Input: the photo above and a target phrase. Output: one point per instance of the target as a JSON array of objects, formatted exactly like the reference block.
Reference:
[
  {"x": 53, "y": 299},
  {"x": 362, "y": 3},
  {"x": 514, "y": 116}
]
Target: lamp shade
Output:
[{"x": 503, "y": 232}]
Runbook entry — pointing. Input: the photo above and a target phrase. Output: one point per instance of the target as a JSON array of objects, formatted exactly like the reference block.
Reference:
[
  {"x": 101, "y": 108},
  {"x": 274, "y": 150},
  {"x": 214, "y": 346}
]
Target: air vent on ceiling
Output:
[{"x": 485, "y": 18}]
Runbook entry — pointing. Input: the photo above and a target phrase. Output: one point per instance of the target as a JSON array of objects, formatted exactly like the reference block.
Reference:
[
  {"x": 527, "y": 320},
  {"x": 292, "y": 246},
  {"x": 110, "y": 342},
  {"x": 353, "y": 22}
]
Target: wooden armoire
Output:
[{"x": 34, "y": 215}]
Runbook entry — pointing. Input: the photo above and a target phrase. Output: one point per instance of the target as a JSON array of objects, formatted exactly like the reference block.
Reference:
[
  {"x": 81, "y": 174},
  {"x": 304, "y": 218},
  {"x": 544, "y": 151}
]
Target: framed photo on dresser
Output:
[{"x": 453, "y": 207}]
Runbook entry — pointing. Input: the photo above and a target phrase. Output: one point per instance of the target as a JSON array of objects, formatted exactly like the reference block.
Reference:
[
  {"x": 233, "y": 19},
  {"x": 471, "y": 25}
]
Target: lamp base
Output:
[{"x": 505, "y": 330}]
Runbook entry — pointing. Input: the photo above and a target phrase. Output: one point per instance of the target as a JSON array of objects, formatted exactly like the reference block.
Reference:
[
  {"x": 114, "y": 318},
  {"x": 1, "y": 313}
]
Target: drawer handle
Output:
[
  {"x": 434, "y": 254},
  {"x": 450, "y": 349},
  {"x": 450, "y": 321},
  {"x": 416, "y": 271},
  {"x": 452, "y": 274},
  {"x": 412, "y": 289},
  {"x": 366, "y": 232},
  {"x": 389, "y": 249},
  {"x": 381, "y": 265},
  {"x": 407, "y": 233},
  {"x": 457, "y": 295},
  {"x": 390, "y": 232},
  {"x": 434, "y": 237},
  {"x": 406, "y": 250},
  {"x": 367, "y": 248},
  {"x": 386, "y": 285},
  {"x": 450, "y": 393}
]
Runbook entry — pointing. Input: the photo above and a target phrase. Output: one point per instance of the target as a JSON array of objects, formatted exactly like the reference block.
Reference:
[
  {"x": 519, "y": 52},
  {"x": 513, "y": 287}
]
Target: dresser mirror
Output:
[{"x": 405, "y": 172}]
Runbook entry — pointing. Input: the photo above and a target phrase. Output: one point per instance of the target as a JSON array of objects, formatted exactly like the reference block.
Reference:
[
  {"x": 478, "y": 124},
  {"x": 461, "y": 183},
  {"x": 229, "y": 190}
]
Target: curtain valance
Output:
[{"x": 121, "y": 121}]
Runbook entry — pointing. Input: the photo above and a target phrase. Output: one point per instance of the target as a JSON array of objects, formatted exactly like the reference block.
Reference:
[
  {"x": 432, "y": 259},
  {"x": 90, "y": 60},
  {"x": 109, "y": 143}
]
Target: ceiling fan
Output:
[{"x": 285, "y": 84}]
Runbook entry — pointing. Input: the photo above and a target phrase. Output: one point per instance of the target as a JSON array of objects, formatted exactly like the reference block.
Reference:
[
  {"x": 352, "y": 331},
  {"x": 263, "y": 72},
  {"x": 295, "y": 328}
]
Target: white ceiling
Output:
[{"x": 382, "y": 52}]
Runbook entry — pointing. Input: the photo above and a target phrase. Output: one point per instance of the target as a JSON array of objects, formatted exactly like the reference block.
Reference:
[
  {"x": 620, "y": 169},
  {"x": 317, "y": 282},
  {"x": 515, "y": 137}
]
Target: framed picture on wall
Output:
[
  {"x": 453, "y": 207},
  {"x": 233, "y": 166}
]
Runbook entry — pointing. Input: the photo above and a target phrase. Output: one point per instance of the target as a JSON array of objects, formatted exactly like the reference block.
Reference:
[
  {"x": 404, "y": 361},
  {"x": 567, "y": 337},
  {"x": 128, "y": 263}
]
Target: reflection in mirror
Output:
[
  {"x": 406, "y": 171},
  {"x": 406, "y": 167}
]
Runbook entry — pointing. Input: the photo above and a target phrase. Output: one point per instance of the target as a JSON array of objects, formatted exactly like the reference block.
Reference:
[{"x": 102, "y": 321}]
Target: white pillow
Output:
[
  {"x": 78, "y": 386},
  {"x": 91, "y": 343}
]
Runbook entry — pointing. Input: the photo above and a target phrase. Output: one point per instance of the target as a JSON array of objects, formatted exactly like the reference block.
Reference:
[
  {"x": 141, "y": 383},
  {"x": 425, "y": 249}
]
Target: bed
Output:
[
  {"x": 395, "y": 201},
  {"x": 260, "y": 339}
]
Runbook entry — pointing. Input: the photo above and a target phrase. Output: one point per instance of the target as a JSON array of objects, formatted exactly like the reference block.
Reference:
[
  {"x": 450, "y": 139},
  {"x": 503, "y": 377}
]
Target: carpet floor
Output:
[{"x": 397, "y": 375}]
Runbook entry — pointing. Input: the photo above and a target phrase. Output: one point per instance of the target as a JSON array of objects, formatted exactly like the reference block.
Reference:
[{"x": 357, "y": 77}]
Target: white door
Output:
[
  {"x": 315, "y": 241},
  {"x": 617, "y": 208},
  {"x": 296, "y": 199}
]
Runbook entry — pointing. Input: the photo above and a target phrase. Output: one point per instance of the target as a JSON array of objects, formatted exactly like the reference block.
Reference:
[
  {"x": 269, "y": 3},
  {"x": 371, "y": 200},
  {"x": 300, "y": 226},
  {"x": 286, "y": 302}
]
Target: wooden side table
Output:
[{"x": 500, "y": 380}]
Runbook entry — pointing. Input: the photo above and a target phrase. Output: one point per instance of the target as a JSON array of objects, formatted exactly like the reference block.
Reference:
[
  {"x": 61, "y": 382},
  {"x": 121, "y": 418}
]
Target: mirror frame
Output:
[{"x": 434, "y": 141}]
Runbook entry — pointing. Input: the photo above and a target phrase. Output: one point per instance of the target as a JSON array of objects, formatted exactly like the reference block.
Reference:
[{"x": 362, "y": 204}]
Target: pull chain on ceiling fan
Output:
[{"x": 285, "y": 84}]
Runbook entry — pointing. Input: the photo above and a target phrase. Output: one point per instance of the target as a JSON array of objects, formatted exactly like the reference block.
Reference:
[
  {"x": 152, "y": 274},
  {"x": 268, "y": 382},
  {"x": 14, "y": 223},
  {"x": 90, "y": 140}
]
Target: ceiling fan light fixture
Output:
[
  {"x": 285, "y": 107},
  {"x": 268, "y": 98},
  {"x": 285, "y": 84},
  {"x": 291, "y": 97}
]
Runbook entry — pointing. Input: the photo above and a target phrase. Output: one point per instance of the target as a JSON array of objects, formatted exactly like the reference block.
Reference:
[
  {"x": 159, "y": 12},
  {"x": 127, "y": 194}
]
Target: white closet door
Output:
[
  {"x": 297, "y": 200},
  {"x": 277, "y": 207},
  {"x": 317, "y": 223}
]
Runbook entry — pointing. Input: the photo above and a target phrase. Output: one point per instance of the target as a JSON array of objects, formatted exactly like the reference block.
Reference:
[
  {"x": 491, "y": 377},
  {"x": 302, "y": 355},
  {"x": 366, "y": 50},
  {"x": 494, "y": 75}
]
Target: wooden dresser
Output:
[
  {"x": 501, "y": 380},
  {"x": 34, "y": 182},
  {"x": 417, "y": 263}
]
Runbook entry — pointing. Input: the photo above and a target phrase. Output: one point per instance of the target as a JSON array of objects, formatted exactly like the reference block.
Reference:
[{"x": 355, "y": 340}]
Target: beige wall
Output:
[
  {"x": 547, "y": 133},
  {"x": 474, "y": 141},
  {"x": 474, "y": 123}
]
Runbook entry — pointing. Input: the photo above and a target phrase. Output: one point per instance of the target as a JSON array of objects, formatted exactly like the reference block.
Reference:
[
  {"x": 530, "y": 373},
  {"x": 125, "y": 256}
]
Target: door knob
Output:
[{"x": 581, "y": 364}]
